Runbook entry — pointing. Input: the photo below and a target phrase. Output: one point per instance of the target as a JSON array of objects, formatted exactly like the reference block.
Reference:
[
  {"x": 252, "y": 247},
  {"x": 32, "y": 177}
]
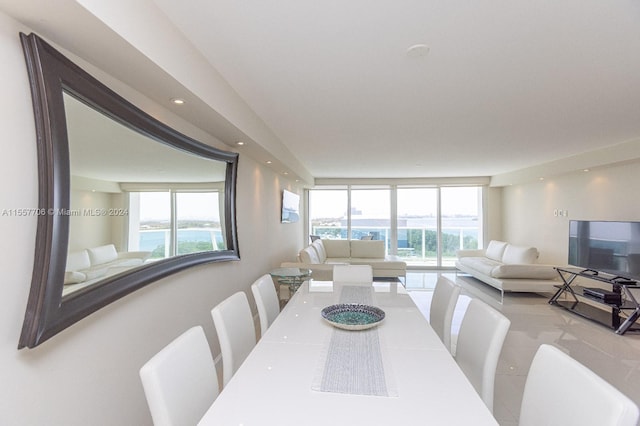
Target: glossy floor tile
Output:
[{"x": 533, "y": 322}]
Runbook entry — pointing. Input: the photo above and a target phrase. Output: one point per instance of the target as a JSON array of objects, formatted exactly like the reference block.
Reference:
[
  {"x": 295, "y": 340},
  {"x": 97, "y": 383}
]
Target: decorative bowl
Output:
[{"x": 353, "y": 316}]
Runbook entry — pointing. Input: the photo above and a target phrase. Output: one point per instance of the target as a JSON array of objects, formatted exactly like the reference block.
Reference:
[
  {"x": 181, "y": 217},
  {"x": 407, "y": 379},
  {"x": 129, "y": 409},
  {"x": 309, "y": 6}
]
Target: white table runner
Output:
[{"x": 353, "y": 362}]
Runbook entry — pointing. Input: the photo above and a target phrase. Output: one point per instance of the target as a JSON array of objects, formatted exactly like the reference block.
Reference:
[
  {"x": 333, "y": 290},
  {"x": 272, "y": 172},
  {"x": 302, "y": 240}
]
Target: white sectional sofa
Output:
[
  {"x": 85, "y": 267},
  {"x": 322, "y": 255},
  {"x": 508, "y": 267}
]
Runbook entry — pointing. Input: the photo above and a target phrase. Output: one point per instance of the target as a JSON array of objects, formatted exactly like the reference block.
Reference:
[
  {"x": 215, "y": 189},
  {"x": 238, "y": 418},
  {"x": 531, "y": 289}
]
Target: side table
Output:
[{"x": 292, "y": 277}]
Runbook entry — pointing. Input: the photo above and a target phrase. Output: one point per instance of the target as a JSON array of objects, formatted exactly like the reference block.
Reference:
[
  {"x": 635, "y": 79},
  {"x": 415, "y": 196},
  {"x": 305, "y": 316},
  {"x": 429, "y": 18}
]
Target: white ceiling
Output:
[
  {"x": 102, "y": 149},
  {"x": 506, "y": 85}
]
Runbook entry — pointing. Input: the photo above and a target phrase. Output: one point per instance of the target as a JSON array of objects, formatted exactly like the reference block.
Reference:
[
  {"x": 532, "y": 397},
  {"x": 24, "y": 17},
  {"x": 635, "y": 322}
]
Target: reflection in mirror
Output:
[
  {"x": 133, "y": 200},
  {"x": 124, "y": 200}
]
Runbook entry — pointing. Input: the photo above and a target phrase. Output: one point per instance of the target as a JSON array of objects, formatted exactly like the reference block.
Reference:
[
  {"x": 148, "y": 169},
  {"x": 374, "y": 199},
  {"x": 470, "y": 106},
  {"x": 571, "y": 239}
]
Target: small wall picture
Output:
[{"x": 290, "y": 207}]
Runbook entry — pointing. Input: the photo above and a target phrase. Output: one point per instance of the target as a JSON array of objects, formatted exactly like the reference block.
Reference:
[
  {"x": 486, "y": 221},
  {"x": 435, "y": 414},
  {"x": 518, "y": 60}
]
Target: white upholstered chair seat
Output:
[
  {"x": 443, "y": 304},
  {"x": 236, "y": 333},
  {"x": 478, "y": 347},
  {"x": 353, "y": 274},
  {"x": 561, "y": 391},
  {"x": 264, "y": 292},
  {"x": 180, "y": 382}
]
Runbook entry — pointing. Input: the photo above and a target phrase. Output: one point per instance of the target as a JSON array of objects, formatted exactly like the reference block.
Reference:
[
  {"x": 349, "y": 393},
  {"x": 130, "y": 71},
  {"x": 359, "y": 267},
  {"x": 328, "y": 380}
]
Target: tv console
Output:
[{"x": 619, "y": 300}]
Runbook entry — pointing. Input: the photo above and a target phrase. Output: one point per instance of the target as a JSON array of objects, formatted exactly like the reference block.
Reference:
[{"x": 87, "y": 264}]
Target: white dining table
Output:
[{"x": 278, "y": 382}]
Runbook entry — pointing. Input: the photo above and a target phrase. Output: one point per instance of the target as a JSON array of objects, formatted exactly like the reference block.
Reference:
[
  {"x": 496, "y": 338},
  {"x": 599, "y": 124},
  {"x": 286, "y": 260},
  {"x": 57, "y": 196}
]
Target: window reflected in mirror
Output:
[
  {"x": 96, "y": 151},
  {"x": 134, "y": 201}
]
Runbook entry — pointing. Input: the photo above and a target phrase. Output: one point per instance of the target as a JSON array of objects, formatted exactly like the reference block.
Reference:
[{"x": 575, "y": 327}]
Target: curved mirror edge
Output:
[{"x": 48, "y": 312}]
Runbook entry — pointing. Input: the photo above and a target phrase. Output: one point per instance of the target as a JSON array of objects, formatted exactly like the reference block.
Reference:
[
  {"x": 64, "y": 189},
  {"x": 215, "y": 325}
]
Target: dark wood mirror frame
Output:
[{"x": 47, "y": 313}]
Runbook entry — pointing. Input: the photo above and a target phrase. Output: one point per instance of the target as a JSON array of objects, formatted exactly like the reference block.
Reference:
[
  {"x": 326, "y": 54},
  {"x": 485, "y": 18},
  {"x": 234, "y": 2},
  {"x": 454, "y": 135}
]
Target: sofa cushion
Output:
[
  {"x": 322, "y": 254},
  {"x": 337, "y": 248},
  {"x": 309, "y": 255},
  {"x": 378, "y": 263},
  {"x": 78, "y": 260},
  {"x": 519, "y": 254},
  {"x": 495, "y": 250},
  {"x": 94, "y": 273},
  {"x": 542, "y": 272},
  {"x": 125, "y": 263},
  {"x": 367, "y": 249},
  {"x": 481, "y": 264},
  {"x": 102, "y": 254},
  {"x": 337, "y": 261},
  {"x": 74, "y": 277}
]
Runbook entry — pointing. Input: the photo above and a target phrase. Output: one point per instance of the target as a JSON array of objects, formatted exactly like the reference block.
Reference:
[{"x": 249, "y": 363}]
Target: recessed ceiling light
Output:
[
  {"x": 418, "y": 50},
  {"x": 541, "y": 178},
  {"x": 178, "y": 101},
  {"x": 585, "y": 170},
  {"x": 285, "y": 173},
  {"x": 268, "y": 161},
  {"x": 240, "y": 143}
]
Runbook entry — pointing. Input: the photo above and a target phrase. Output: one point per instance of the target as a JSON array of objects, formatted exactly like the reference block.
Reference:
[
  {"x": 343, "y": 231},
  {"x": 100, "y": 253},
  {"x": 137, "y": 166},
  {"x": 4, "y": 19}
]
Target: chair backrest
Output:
[
  {"x": 180, "y": 381},
  {"x": 560, "y": 390},
  {"x": 236, "y": 332},
  {"x": 264, "y": 292},
  {"x": 353, "y": 274},
  {"x": 443, "y": 304},
  {"x": 480, "y": 340}
]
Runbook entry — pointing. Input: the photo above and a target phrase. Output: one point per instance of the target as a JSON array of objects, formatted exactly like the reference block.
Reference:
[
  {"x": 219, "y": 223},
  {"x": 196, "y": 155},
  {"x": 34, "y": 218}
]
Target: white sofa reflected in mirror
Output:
[{"x": 86, "y": 267}]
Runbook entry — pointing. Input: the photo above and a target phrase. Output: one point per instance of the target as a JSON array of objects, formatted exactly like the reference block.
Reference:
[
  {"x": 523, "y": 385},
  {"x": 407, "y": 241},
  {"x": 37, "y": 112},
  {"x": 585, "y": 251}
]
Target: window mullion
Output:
[{"x": 174, "y": 223}]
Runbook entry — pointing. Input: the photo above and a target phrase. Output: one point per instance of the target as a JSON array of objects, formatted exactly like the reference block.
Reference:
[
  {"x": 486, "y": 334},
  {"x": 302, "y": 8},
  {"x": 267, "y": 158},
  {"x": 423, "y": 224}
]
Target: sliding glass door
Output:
[
  {"x": 460, "y": 221},
  {"x": 418, "y": 225},
  {"x": 370, "y": 214},
  {"x": 424, "y": 225}
]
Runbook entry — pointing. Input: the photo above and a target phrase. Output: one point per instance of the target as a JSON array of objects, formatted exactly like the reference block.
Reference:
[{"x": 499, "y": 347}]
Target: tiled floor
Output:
[{"x": 533, "y": 322}]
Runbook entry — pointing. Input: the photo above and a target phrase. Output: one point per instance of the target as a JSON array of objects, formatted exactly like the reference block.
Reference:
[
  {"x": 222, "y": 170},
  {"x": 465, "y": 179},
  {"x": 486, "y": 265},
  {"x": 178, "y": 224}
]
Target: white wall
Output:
[
  {"x": 86, "y": 230},
  {"x": 607, "y": 193},
  {"x": 88, "y": 374}
]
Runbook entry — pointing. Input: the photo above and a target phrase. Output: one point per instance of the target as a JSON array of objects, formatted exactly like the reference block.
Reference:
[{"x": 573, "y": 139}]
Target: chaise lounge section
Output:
[
  {"x": 323, "y": 254},
  {"x": 85, "y": 267},
  {"x": 509, "y": 268}
]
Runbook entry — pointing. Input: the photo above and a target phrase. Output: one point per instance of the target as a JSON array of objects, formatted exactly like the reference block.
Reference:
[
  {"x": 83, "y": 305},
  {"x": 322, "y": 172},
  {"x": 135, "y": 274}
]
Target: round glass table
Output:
[{"x": 292, "y": 277}]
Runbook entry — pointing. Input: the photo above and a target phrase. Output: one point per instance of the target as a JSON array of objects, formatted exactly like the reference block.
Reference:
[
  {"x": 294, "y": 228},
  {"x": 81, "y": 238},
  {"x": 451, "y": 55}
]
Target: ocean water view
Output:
[
  {"x": 417, "y": 239},
  {"x": 151, "y": 240}
]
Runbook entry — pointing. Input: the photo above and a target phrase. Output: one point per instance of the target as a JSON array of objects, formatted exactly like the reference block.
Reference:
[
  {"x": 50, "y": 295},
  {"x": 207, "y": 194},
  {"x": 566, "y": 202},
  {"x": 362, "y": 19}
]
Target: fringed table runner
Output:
[{"x": 353, "y": 362}]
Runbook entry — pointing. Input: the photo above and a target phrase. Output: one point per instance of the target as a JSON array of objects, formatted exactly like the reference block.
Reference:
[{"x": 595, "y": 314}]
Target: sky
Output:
[
  {"x": 411, "y": 202},
  {"x": 196, "y": 205}
]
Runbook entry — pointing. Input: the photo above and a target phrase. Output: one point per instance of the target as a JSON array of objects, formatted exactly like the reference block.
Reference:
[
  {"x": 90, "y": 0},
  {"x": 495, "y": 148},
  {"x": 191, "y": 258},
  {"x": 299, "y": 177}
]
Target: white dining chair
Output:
[
  {"x": 236, "y": 333},
  {"x": 560, "y": 390},
  {"x": 264, "y": 292},
  {"x": 479, "y": 344},
  {"x": 443, "y": 305},
  {"x": 353, "y": 274},
  {"x": 180, "y": 382}
]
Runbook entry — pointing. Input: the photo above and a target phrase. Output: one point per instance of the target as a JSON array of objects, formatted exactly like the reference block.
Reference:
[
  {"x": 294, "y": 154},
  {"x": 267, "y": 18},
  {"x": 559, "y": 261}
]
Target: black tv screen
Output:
[{"x": 606, "y": 246}]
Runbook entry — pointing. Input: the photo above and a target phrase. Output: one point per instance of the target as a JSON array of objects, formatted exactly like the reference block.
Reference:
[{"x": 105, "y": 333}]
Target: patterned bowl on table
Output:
[{"x": 353, "y": 316}]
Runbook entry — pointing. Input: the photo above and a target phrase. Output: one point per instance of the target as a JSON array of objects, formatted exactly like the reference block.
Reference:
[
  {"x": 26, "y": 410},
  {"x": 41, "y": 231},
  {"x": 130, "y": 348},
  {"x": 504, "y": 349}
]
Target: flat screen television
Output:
[
  {"x": 290, "y": 207},
  {"x": 606, "y": 246}
]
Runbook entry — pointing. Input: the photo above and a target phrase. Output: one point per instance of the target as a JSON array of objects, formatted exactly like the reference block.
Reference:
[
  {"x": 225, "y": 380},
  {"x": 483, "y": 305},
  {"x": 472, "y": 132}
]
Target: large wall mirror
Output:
[{"x": 124, "y": 200}]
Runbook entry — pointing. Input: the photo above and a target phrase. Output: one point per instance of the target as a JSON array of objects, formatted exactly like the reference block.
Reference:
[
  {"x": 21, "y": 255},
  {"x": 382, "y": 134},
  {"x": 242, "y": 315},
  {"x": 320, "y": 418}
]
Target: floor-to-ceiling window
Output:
[
  {"x": 169, "y": 223},
  {"x": 329, "y": 215},
  {"x": 418, "y": 225},
  {"x": 424, "y": 225},
  {"x": 370, "y": 213},
  {"x": 461, "y": 221}
]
